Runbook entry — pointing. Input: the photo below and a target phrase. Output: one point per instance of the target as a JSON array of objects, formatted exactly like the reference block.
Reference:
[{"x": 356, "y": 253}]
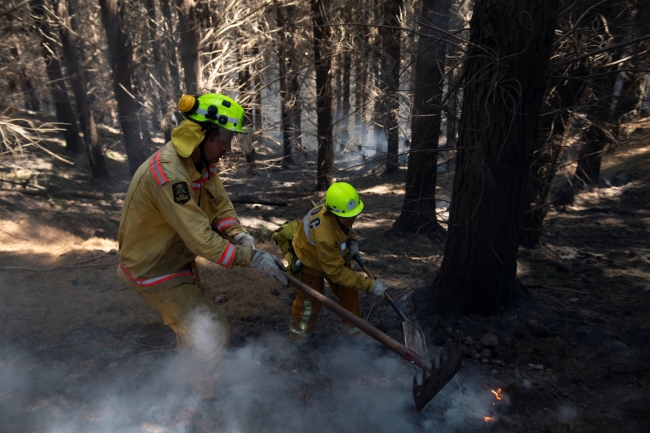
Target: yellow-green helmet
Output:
[
  {"x": 343, "y": 200},
  {"x": 212, "y": 110}
]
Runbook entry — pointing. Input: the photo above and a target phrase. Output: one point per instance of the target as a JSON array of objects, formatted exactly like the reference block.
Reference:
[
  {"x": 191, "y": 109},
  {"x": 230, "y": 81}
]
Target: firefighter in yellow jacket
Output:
[
  {"x": 323, "y": 246},
  {"x": 174, "y": 206}
]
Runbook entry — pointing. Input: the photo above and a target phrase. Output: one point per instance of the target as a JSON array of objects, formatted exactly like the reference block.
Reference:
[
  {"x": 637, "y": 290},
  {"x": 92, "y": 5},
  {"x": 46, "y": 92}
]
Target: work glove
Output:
[
  {"x": 353, "y": 249},
  {"x": 379, "y": 288},
  {"x": 269, "y": 266},
  {"x": 245, "y": 240}
]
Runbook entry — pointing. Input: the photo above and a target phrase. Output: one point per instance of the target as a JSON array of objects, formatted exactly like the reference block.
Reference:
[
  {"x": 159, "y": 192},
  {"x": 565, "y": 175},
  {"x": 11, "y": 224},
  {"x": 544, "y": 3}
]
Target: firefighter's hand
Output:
[
  {"x": 379, "y": 288},
  {"x": 269, "y": 266},
  {"x": 353, "y": 247},
  {"x": 245, "y": 240}
]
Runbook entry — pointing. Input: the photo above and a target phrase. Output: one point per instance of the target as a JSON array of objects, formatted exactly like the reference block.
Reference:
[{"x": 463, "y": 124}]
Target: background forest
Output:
[{"x": 501, "y": 148}]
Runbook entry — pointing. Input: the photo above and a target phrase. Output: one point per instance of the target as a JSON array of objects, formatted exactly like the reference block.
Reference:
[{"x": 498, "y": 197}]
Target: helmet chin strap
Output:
[{"x": 203, "y": 159}]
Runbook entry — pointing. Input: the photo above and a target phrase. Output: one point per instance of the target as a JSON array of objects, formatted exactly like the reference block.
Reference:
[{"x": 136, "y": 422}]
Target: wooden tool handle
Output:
[{"x": 366, "y": 327}]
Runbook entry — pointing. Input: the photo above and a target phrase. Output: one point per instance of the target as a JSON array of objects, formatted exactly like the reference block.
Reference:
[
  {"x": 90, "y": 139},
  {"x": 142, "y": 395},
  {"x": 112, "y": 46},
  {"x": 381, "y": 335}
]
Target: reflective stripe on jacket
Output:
[
  {"x": 162, "y": 230},
  {"x": 321, "y": 244}
]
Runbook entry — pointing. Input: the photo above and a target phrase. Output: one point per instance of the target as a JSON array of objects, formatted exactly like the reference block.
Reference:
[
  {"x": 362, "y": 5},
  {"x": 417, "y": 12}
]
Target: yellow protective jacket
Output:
[
  {"x": 169, "y": 214},
  {"x": 321, "y": 245}
]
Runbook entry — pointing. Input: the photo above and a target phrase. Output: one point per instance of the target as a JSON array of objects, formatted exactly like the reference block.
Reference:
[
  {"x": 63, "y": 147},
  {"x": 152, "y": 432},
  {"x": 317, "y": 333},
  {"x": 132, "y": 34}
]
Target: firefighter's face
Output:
[
  {"x": 218, "y": 145},
  {"x": 346, "y": 222}
]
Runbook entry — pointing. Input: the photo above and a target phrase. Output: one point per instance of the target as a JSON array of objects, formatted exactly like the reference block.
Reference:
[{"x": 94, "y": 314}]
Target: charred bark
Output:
[
  {"x": 390, "y": 81},
  {"x": 119, "y": 51},
  {"x": 64, "y": 112},
  {"x": 188, "y": 28},
  {"x": 564, "y": 93},
  {"x": 418, "y": 213},
  {"x": 322, "y": 63},
  {"x": 345, "y": 103},
  {"x": 509, "y": 50},
  {"x": 285, "y": 94},
  {"x": 161, "y": 71},
  {"x": 170, "y": 51},
  {"x": 96, "y": 160},
  {"x": 361, "y": 92}
]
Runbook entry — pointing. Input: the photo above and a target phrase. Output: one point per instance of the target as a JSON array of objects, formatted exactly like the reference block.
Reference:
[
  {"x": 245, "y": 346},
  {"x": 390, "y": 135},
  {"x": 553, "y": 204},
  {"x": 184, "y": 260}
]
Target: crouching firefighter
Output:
[
  {"x": 320, "y": 248},
  {"x": 172, "y": 212}
]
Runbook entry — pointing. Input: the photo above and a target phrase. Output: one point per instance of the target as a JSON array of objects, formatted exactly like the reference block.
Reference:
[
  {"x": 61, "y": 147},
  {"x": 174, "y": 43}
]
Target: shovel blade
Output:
[
  {"x": 446, "y": 367},
  {"x": 415, "y": 339}
]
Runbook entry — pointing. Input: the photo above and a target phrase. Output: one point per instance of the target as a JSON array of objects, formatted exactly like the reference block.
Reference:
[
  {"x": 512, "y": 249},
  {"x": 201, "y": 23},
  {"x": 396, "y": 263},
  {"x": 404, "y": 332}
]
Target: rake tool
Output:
[
  {"x": 414, "y": 337},
  {"x": 435, "y": 373}
]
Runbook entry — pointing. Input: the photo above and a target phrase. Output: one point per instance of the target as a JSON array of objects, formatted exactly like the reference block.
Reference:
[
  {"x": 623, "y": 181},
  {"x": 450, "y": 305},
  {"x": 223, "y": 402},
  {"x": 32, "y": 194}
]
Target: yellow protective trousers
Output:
[
  {"x": 304, "y": 311},
  {"x": 201, "y": 328}
]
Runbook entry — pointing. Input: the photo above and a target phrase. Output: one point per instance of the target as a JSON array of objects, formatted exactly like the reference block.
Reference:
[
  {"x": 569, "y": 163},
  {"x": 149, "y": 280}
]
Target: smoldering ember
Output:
[{"x": 324, "y": 216}]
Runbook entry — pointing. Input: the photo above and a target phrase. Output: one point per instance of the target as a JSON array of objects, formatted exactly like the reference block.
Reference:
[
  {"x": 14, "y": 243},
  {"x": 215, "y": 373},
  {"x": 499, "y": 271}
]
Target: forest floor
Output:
[{"x": 79, "y": 351}]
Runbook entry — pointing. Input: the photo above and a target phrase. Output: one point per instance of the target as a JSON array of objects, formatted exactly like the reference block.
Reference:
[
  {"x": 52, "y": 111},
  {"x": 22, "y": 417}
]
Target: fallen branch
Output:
[
  {"x": 537, "y": 286},
  {"x": 253, "y": 200},
  {"x": 59, "y": 194},
  {"x": 18, "y": 268},
  {"x": 23, "y": 184}
]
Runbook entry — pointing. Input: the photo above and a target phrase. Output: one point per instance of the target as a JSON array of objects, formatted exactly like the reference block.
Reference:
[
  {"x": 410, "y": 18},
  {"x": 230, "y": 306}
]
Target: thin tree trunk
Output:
[
  {"x": 322, "y": 63},
  {"x": 296, "y": 109},
  {"x": 498, "y": 128},
  {"x": 257, "y": 106},
  {"x": 170, "y": 45},
  {"x": 361, "y": 93},
  {"x": 345, "y": 108},
  {"x": 454, "y": 53},
  {"x": 96, "y": 160},
  {"x": 161, "y": 70},
  {"x": 564, "y": 94},
  {"x": 285, "y": 94},
  {"x": 64, "y": 112},
  {"x": 31, "y": 99},
  {"x": 188, "y": 28},
  {"x": 119, "y": 50},
  {"x": 390, "y": 78},
  {"x": 419, "y": 209}
]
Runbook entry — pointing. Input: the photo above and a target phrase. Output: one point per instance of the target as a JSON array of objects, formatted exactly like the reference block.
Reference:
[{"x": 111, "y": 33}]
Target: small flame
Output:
[
  {"x": 498, "y": 394},
  {"x": 488, "y": 418}
]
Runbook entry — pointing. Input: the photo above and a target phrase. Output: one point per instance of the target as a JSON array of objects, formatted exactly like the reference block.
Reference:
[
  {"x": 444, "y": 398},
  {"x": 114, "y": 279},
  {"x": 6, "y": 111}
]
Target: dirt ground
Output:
[{"x": 574, "y": 358}]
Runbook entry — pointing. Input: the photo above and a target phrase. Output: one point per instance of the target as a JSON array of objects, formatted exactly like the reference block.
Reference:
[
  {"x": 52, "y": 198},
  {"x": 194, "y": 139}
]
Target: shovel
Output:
[
  {"x": 413, "y": 335},
  {"x": 435, "y": 373}
]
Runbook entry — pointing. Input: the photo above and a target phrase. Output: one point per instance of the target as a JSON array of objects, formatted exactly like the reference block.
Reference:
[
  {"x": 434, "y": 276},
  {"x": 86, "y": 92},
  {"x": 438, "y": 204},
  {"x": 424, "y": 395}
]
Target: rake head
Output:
[{"x": 442, "y": 371}]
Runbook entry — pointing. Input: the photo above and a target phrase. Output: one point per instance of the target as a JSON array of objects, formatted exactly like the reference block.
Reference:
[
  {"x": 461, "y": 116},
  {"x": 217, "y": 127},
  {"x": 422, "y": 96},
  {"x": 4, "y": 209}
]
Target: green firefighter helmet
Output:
[
  {"x": 343, "y": 200},
  {"x": 212, "y": 110}
]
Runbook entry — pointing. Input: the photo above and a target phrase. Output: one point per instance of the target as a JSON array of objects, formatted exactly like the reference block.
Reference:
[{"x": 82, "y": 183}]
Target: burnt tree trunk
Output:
[
  {"x": 564, "y": 94},
  {"x": 245, "y": 92},
  {"x": 509, "y": 50},
  {"x": 119, "y": 52},
  {"x": 188, "y": 28},
  {"x": 285, "y": 94},
  {"x": 170, "y": 51},
  {"x": 322, "y": 63},
  {"x": 419, "y": 209},
  {"x": 30, "y": 98},
  {"x": 345, "y": 104},
  {"x": 361, "y": 92},
  {"x": 258, "y": 121},
  {"x": 161, "y": 71},
  {"x": 390, "y": 85},
  {"x": 453, "y": 59},
  {"x": 96, "y": 160},
  {"x": 64, "y": 113}
]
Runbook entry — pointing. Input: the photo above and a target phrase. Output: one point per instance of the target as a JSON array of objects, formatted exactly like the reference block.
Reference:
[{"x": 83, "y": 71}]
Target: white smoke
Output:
[{"x": 267, "y": 385}]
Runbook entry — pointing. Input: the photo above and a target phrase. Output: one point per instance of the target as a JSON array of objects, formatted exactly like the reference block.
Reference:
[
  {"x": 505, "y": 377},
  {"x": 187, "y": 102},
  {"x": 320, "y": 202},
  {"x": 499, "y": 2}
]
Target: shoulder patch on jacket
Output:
[
  {"x": 156, "y": 168},
  {"x": 181, "y": 192}
]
